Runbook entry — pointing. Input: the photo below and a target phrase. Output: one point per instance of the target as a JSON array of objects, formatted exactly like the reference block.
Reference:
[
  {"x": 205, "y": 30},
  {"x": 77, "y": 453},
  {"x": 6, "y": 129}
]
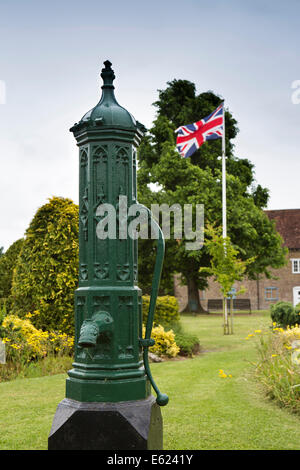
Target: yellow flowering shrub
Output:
[
  {"x": 60, "y": 343},
  {"x": 165, "y": 344},
  {"x": 24, "y": 342}
]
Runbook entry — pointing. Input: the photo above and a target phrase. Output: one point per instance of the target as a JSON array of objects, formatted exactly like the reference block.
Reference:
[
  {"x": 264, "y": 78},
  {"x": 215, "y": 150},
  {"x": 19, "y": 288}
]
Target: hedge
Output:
[
  {"x": 46, "y": 272},
  {"x": 166, "y": 312}
]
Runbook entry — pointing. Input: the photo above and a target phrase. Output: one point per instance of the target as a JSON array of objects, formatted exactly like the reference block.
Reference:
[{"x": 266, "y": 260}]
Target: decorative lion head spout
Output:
[{"x": 101, "y": 322}]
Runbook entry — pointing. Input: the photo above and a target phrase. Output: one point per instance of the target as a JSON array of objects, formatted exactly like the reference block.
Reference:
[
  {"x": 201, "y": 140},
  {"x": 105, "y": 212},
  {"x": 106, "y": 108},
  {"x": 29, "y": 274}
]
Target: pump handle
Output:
[{"x": 161, "y": 399}]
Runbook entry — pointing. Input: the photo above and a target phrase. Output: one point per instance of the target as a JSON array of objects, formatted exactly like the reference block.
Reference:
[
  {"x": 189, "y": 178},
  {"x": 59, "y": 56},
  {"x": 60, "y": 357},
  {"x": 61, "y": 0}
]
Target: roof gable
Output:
[{"x": 288, "y": 225}]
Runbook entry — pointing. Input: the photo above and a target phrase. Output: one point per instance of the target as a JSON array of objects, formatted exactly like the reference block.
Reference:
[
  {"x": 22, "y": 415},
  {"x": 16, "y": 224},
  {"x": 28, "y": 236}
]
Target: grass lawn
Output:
[{"x": 204, "y": 412}]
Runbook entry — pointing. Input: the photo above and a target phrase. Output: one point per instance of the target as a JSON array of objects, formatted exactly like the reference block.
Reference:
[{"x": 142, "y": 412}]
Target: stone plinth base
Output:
[{"x": 130, "y": 425}]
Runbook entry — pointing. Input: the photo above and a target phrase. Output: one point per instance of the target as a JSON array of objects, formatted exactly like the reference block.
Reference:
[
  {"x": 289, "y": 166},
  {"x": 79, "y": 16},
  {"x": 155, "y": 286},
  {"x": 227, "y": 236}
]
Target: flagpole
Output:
[
  {"x": 224, "y": 207},
  {"x": 224, "y": 210}
]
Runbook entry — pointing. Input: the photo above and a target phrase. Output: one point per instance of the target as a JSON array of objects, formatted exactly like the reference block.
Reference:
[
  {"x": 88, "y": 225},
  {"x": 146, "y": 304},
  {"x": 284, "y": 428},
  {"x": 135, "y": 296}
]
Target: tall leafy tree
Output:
[{"x": 197, "y": 180}]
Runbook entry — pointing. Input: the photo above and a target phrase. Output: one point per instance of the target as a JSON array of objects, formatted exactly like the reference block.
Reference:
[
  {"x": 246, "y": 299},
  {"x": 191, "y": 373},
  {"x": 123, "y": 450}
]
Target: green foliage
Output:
[
  {"x": 48, "y": 365},
  {"x": 283, "y": 314},
  {"x": 47, "y": 269},
  {"x": 226, "y": 267},
  {"x": 188, "y": 344},
  {"x": 278, "y": 367},
  {"x": 166, "y": 312},
  {"x": 8, "y": 263},
  {"x": 3, "y": 312},
  {"x": 297, "y": 309}
]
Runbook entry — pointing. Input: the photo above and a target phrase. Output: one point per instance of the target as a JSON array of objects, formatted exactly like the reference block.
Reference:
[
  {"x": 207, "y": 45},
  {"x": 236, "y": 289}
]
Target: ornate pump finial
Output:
[
  {"x": 107, "y": 112},
  {"x": 107, "y": 75}
]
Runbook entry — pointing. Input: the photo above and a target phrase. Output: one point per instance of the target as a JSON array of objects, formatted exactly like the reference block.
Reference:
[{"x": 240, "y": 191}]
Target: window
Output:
[
  {"x": 295, "y": 265},
  {"x": 232, "y": 293},
  {"x": 271, "y": 293}
]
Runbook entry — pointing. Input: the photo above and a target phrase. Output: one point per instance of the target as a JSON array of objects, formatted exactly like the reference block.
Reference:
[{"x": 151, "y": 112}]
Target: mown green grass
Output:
[{"x": 204, "y": 412}]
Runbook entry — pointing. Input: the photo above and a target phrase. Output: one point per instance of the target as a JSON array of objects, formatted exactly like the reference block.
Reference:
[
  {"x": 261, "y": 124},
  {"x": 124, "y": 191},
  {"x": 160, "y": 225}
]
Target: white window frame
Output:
[{"x": 295, "y": 265}]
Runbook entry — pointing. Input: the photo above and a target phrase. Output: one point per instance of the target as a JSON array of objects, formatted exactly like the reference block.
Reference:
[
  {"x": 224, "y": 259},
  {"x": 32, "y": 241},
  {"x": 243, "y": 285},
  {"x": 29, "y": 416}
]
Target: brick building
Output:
[{"x": 265, "y": 291}]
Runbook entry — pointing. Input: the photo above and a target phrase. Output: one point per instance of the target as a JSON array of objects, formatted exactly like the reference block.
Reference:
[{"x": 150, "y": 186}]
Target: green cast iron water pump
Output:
[{"x": 111, "y": 356}]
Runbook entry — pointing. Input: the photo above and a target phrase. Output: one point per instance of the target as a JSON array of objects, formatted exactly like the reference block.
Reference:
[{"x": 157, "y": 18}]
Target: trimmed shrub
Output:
[
  {"x": 166, "y": 312},
  {"x": 188, "y": 344},
  {"x": 46, "y": 273},
  {"x": 283, "y": 314}
]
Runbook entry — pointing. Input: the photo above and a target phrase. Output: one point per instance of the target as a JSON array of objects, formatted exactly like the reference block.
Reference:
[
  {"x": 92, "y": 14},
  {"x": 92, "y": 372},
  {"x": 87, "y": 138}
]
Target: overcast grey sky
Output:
[{"x": 51, "y": 54}]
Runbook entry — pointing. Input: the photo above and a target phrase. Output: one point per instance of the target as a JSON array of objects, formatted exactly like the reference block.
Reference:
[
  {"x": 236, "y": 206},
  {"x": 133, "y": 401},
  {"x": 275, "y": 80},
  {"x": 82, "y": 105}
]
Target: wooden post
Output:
[{"x": 231, "y": 315}]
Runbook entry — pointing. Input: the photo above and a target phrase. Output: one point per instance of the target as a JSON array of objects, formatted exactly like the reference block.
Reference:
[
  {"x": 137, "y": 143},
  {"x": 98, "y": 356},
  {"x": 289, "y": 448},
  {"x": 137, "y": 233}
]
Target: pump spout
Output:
[{"x": 100, "y": 322}]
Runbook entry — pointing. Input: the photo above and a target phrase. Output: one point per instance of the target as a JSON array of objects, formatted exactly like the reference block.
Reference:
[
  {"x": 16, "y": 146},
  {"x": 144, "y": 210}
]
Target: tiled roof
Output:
[{"x": 288, "y": 225}]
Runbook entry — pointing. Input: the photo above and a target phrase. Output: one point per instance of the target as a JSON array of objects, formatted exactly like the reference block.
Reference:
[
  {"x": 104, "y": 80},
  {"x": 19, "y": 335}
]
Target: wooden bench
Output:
[
  {"x": 242, "y": 304},
  {"x": 214, "y": 305}
]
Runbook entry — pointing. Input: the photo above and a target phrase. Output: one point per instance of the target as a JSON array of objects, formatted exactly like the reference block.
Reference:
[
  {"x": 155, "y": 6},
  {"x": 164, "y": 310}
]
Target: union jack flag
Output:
[{"x": 192, "y": 136}]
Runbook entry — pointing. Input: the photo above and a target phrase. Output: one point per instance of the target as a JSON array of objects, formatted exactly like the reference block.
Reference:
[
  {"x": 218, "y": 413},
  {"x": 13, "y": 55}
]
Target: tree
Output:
[
  {"x": 1, "y": 251},
  {"x": 226, "y": 268},
  {"x": 7, "y": 265},
  {"x": 197, "y": 180},
  {"x": 46, "y": 273}
]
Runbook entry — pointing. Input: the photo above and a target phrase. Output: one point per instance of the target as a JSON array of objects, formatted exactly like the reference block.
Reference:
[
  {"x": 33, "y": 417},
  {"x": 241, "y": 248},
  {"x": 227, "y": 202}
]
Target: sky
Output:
[{"x": 51, "y": 54}]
